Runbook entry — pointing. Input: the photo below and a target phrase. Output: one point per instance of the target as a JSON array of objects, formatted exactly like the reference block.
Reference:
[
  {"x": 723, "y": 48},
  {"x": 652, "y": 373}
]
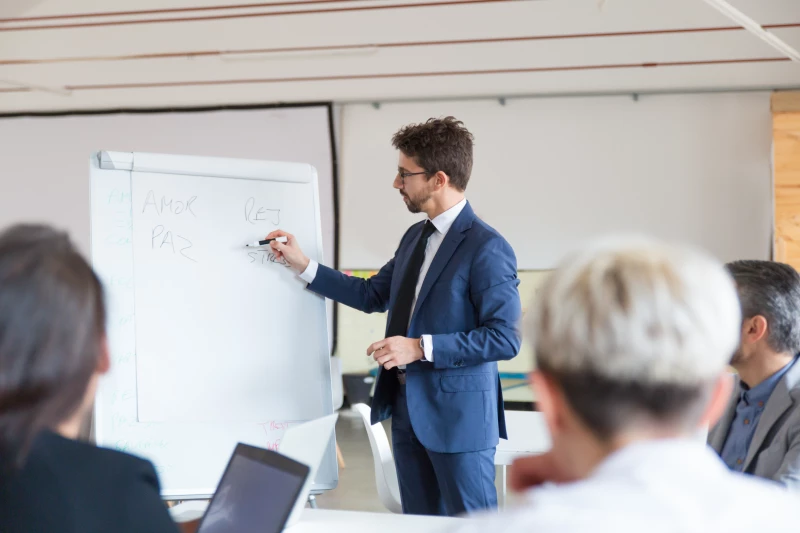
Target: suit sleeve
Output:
[
  {"x": 145, "y": 511},
  {"x": 367, "y": 295},
  {"x": 789, "y": 472},
  {"x": 495, "y": 295}
]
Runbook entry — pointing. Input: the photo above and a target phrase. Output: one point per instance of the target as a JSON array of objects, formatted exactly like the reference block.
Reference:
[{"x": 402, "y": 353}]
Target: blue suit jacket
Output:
[{"x": 469, "y": 303}]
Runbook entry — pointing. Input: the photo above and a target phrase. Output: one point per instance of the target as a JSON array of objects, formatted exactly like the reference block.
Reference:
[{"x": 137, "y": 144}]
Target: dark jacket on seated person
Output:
[{"x": 68, "y": 486}]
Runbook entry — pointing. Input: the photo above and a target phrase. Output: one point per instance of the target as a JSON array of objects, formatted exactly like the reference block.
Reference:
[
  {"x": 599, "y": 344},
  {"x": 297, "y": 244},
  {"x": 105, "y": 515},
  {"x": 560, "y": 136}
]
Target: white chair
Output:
[
  {"x": 337, "y": 390},
  {"x": 385, "y": 472},
  {"x": 337, "y": 385}
]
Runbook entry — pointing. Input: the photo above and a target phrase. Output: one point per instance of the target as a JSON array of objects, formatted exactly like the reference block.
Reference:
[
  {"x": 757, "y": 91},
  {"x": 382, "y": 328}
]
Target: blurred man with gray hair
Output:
[
  {"x": 759, "y": 433},
  {"x": 632, "y": 341}
]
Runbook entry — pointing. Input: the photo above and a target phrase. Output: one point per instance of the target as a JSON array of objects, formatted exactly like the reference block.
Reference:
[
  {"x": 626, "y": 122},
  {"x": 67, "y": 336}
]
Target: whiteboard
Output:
[{"x": 212, "y": 343}]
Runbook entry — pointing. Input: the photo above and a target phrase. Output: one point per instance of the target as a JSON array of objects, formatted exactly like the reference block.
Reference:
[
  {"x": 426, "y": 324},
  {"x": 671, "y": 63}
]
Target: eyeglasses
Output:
[{"x": 403, "y": 174}]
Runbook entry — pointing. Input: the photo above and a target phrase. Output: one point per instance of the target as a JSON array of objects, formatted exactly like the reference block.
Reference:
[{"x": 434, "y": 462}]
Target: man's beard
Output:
[{"x": 415, "y": 206}]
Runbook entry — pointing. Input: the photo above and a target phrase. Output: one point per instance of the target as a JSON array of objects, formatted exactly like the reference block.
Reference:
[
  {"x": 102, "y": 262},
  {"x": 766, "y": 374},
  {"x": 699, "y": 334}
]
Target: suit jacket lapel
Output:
[
  {"x": 719, "y": 433},
  {"x": 779, "y": 402},
  {"x": 448, "y": 247}
]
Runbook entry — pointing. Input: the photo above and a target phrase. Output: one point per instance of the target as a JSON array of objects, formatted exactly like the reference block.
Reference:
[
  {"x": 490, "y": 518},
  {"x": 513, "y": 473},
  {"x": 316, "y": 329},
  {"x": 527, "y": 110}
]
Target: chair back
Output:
[{"x": 385, "y": 472}]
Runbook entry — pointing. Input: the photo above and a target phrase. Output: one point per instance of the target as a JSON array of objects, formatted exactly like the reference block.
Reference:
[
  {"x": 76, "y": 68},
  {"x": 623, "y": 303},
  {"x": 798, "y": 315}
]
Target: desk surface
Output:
[{"x": 326, "y": 521}]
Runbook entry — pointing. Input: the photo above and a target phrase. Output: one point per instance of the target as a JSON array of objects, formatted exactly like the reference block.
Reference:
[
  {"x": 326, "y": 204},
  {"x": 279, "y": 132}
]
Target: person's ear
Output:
[
  {"x": 440, "y": 180},
  {"x": 720, "y": 397},
  {"x": 754, "y": 329}
]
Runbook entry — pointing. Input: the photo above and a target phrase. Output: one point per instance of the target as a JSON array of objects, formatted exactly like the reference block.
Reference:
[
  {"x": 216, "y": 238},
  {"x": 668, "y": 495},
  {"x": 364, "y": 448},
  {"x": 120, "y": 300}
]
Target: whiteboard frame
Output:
[{"x": 130, "y": 162}]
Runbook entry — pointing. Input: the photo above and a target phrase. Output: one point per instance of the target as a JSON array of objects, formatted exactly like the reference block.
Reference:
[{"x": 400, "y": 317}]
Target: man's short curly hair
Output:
[{"x": 440, "y": 144}]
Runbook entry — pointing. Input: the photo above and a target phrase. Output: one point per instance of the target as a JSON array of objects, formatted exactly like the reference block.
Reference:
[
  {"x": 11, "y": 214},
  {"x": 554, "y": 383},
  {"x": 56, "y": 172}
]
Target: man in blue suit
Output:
[{"x": 452, "y": 295}]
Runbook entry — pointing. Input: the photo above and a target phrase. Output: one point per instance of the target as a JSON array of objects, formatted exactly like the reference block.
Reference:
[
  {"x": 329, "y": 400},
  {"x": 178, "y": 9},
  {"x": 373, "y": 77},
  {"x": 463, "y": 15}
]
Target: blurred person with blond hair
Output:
[{"x": 632, "y": 340}]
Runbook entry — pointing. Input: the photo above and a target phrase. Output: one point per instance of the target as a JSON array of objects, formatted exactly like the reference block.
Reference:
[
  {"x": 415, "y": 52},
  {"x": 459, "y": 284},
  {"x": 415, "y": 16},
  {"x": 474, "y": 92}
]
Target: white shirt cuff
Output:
[
  {"x": 310, "y": 273},
  {"x": 427, "y": 347}
]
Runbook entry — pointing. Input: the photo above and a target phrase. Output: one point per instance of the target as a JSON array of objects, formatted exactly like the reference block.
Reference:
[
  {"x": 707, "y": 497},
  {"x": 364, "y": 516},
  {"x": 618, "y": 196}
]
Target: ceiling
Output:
[{"x": 85, "y": 54}]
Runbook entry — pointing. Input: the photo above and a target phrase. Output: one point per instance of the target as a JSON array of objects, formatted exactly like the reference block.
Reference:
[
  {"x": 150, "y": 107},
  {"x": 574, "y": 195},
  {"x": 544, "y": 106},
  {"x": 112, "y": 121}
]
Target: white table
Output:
[
  {"x": 527, "y": 435},
  {"x": 325, "y": 521}
]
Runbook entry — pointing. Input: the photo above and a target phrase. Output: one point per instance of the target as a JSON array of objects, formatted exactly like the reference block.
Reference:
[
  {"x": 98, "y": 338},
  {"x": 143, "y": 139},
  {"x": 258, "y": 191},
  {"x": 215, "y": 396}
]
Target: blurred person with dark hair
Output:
[
  {"x": 53, "y": 351},
  {"x": 452, "y": 295}
]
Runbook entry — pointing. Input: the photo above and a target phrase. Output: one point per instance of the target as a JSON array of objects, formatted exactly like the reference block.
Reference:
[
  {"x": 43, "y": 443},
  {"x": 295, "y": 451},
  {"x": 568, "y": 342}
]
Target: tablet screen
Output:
[{"x": 253, "y": 496}]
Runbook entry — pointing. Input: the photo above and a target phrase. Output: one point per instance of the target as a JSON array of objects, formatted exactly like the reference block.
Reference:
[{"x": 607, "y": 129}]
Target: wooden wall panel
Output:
[{"x": 786, "y": 172}]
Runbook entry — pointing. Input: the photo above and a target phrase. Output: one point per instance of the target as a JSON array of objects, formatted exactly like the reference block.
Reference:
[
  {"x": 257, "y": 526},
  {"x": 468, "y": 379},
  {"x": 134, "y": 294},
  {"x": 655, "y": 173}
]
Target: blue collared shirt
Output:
[{"x": 748, "y": 412}]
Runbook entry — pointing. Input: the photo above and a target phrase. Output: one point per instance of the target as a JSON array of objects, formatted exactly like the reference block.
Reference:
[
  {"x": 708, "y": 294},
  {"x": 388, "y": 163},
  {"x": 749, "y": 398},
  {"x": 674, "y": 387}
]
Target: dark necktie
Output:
[{"x": 401, "y": 311}]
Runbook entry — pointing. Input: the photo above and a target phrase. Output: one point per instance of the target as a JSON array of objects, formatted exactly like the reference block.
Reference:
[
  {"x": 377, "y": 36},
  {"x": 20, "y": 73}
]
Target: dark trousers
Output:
[{"x": 431, "y": 483}]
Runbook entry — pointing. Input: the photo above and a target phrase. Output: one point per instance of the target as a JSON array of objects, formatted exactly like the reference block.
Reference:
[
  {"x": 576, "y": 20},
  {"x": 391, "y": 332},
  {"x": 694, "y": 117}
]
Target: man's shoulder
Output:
[
  {"x": 482, "y": 228},
  {"x": 792, "y": 379},
  {"x": 791, "y": 421},
  {"x": 482, "y": 235}
]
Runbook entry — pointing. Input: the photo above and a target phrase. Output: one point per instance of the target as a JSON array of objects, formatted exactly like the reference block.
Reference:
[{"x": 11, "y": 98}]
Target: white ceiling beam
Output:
[{"x": 755, "y": 28}]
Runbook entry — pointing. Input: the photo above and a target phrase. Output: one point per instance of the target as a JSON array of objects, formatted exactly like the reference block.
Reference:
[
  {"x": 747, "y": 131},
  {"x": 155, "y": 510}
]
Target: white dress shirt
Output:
[
  {"x": 442, "y": 223},
  {"x": 665, "y": 486}
]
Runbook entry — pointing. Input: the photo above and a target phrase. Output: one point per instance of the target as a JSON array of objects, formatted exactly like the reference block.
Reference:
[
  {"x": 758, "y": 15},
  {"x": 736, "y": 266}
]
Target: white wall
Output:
[
  {"x": 550, "y": 173},
  {"x": 44, "y": 161}
]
